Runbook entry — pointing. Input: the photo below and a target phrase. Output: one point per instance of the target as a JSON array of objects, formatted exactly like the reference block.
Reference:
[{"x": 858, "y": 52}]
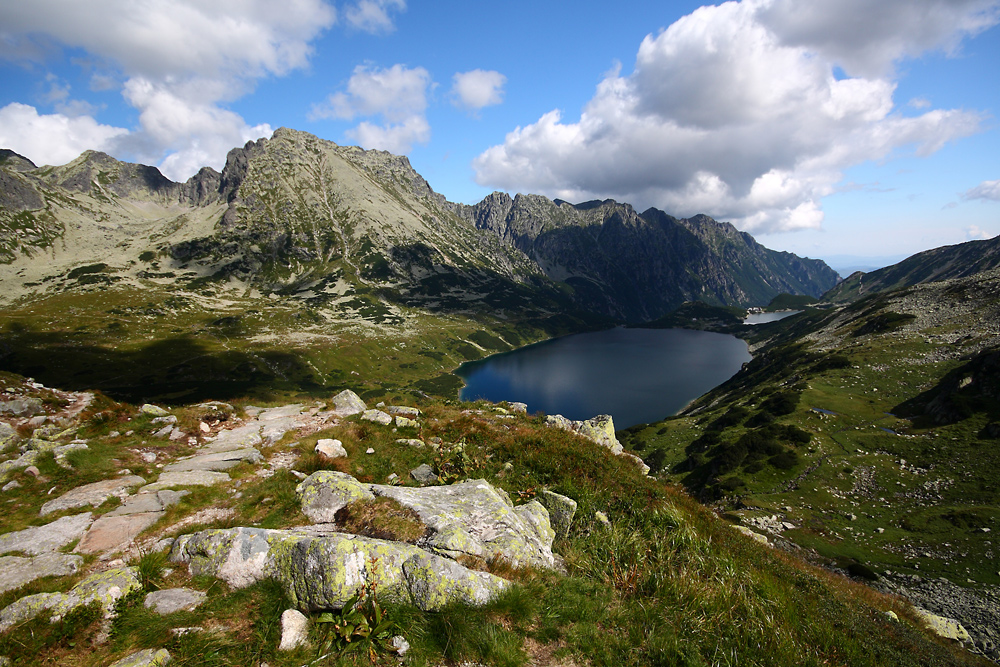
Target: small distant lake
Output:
[
  {"x": 635, "y": 375},
  {"x": 764, "y": 318}
]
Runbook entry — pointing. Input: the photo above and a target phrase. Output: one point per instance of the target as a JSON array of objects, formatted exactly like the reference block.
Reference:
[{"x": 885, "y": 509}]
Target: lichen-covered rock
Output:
[
  {"x": 403, "y": 410},
  {"x": 639, "y": 463},
  {"x": 325, "y": 571},
  {"x": 561, "y": 509},
  {"x": 376, "y": 416},
  {"x": 424, "y": 474},
  {"x": 405, "y": 422},
  {"x": 170, "y": 600},
  {"x": 347, "y": 403},
  {"x": 105, "y": 588},
  {"x": 473, "y": 518},
  {"x": 942, "y": 626},
  {"x": 599, "y": 429},
  {"x": 147, "y": 657},
  {"x": 154, "y": 410},
  {"x": 322, "y": 494}
]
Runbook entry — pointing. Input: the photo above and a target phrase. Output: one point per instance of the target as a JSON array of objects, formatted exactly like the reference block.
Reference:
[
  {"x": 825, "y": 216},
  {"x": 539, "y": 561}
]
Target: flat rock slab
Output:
[
  {"x": 91, "y": 494},
  {"x": 216, "y": 461},
  {"x": 169, "y": 600},
  {"x": 376, "y": 416},
  {"x": 186, "y": 478},
  {"x": 325, "y": 572},
  {"x": 148, "y": 502},
  {"x": 269, "y": 414},
  {"x": 111, "y": 533},
  {"x": 16, "y": 571},
  {"x": 237, "y": 438},
  {"x": 50, "y": 537},
  {"x": 147, "y": 657}
]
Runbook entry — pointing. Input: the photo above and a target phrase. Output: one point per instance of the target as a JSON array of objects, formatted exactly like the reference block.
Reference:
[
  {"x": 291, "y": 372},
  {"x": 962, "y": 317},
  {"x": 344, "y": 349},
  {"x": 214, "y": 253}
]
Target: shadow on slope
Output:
[{"x": 178, "y": 369}]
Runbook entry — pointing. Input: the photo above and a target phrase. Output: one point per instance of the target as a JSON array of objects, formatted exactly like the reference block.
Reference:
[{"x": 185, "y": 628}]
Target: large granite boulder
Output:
[
  {"x": 324, "y": 493},
  {"x": 324, "y": 571},
  {"x": 467, "y": 519},
  {"x": 347, "y": 403}
]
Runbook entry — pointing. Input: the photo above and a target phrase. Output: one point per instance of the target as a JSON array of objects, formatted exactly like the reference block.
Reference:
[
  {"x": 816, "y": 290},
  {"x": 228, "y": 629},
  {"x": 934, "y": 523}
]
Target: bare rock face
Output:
[
  {"x": 91, "y": 494},
  {"x": 326, "y": 492},
  {"x": 347, "y": 403},
  {"x": 326, "y": 571}
]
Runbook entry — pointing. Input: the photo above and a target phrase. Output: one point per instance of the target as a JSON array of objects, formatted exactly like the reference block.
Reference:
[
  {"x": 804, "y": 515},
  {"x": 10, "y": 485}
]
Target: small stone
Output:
[
  {"x": 880, "y": 530},
  {"x": 602, "y": 520},
  {"x": 203, "y": 427},
  {"x": 148, "y": 457},
  {"x": 294, "y": 630},
  {"x": 33, "y": 471},
  {"x": 154, "y": 410},
  {"x": 423, "y": 474},
  {"x": 330, "y": 448},
  {"x": 891, "y": 615},
  {"x": 13, "y": 484},
  {"x": 170, "y": 600},
  {"x": 410, "y": 442},
  {"x": 370, "y": 450}
]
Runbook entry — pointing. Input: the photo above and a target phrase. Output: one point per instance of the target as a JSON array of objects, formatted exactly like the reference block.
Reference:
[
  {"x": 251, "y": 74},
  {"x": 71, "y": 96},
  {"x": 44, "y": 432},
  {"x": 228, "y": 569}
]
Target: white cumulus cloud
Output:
[
  {"x": 477, "y": 89},
  {"x": 397, "y": 95},
  {"x": 373, "y": 15},
  {"x": 742, "y": 112},
  {"x": 975, "y": 233},
  {"x": 53, "y": 138},
  {"x": 179, "y": 61},
  {"x": 989, "y": 190}
]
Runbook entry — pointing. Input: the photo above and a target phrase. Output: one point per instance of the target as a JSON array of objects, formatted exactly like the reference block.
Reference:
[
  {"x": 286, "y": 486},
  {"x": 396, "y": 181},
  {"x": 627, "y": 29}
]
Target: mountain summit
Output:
[{"x": 305, "y": 218}]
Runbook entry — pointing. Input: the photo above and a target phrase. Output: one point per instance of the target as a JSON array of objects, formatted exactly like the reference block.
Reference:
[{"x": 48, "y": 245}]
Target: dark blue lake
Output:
[{"x": 635, "y": 375}]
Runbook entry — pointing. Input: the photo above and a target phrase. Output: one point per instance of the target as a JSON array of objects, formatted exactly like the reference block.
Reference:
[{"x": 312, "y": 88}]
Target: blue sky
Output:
[{"x": 830, "y": 129}]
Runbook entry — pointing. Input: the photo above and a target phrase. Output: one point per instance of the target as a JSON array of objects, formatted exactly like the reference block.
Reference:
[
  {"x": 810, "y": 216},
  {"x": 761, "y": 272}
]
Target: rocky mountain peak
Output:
[{"x": 11, "y": 160}]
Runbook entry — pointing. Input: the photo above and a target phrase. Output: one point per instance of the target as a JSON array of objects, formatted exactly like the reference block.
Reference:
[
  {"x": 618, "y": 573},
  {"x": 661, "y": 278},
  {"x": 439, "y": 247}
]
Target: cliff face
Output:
[{"x": 639, "y": 266}]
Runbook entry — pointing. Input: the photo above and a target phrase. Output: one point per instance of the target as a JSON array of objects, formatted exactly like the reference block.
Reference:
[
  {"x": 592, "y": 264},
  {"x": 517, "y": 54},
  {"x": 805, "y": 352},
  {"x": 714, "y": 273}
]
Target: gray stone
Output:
[
  {"x": 169, "y": 419},
  {"x": 16, "y": 571},
  {"x": 216, "y": 461},
  {"x": 284, "y": 411},
  {"x": 324, "y": 493},
  {"x": 61, "y": 451},
  {"x": 138, "y": 504},
  {"x": 273, "y": 431},
  {"x": 411, "y": 442},
  {"x": 424, "y": 474},
  {"x": 177, "y": 434},
  {"x": 147, "y": 657},
  {"x": 330, "y": 448},
  {"x": 602, "y": 520},
  {"x": 169, "y": 600},
  {"x": 639, "y": 463},
  {"x": 8, "y": 435},
  {"x": 164, "y": 432},
  {"x": 518, "y": 407},
  {"x": 599, "y": 429},
  {"x": 403, "y": 410},
  {"x": 347, "y": 403},
  {"x": 113, "y": 533},
  {"x": 473, "y": 519},
  {"x": 154, "y": 410},
  {"x": 294, "y": 630},
  {"x": 376, "y": 416},
  {"x": 11, "y": 485},
  {"x": 91, "y": 494},
  {"x": 22, "y": 407},
  {"x": 321, "y": 572},
  {"x": 50, "y": 537},
  {"x": 404, "y": 422},
  {"x": 186, "y": 478},
  {"x": 237, "y": 438},
  {"x": 561, "y": 509}
]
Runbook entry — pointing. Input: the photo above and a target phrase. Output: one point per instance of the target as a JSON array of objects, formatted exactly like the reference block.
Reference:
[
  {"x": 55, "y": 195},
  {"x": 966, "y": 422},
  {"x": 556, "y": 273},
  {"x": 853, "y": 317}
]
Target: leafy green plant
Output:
[{"x": 360, "y": 625}]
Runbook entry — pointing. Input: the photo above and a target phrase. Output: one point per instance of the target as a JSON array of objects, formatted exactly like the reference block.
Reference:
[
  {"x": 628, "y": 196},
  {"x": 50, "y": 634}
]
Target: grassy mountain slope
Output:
[
  {"x": 668, "y": 583},
  {"x": 955, "y": 261},
  {"x": 865, "y": 434}
]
